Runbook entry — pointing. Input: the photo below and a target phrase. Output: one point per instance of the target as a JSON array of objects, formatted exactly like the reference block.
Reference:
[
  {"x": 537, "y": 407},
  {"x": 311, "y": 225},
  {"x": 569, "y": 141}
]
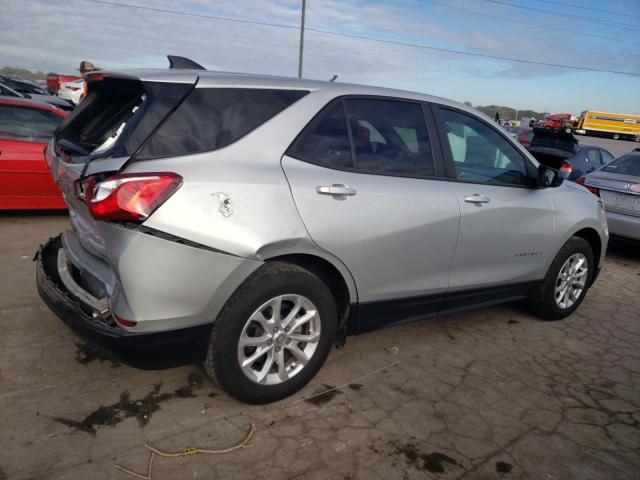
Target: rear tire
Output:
[
  {"x": 616, "y": 136},
  {"x": 545, "y": 302},
  {"x": 248, "y": 323}
]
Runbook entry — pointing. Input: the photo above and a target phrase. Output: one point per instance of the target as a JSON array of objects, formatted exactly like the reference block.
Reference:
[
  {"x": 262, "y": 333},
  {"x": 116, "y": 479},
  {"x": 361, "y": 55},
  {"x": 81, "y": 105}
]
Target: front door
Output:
[
  {"x": 377, "y": 203},
  {"x": 506, "y": 223}
]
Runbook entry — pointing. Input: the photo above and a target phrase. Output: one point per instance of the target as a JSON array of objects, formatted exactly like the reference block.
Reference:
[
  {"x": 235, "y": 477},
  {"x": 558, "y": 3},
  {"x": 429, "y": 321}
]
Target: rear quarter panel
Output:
[{"x": 575, "y": 209}]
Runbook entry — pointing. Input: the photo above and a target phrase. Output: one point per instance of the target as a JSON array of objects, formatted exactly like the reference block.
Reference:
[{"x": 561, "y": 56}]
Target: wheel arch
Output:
[
  {"x": 593, "y": 238},
  {"x": 342, "y": 289}
]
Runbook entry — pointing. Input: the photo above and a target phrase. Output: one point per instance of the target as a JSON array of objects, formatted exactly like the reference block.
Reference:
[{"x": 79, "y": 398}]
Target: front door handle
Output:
[
  {"x": 476, "y": 198},
  {"x": 336, "y": 190}
]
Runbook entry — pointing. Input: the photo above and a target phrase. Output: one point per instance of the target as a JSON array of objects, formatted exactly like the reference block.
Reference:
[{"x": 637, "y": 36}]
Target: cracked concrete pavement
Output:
[{"x": 489, "y": 394}]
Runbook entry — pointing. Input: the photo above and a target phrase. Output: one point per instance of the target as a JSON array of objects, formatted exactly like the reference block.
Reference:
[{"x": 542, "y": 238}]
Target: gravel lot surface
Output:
[{"x": 490, "y": 394}]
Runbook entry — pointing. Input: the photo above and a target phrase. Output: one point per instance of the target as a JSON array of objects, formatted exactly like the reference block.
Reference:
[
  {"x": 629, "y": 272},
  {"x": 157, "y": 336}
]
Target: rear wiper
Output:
[{"x": 72, "y": 147}]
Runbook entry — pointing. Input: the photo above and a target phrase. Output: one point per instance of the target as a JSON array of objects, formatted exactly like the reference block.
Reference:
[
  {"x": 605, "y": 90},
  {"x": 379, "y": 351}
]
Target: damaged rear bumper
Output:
[{"x": 89, "y": 318}]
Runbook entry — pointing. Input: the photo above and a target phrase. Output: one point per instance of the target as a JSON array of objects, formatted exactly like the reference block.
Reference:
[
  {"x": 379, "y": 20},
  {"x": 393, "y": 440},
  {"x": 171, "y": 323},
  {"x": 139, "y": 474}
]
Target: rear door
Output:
[
  {"x": 506, "y": 226},
  {"x": 371, "y": 190},
  {"x": 24, "y": 177}
]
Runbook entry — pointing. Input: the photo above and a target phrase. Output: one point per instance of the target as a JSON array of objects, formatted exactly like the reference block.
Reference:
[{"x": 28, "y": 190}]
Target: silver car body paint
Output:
[{"x": 398, "y": 237}]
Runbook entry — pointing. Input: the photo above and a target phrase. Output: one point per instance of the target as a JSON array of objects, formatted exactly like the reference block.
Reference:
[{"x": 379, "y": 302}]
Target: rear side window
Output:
[
  {"x": 212, "y": 118},
  {"x": 27, "y": 124},
  {"x": 326, "y": 140},
  {"x": 606, "y": 157},
  {"x": 388, "y": 137}
]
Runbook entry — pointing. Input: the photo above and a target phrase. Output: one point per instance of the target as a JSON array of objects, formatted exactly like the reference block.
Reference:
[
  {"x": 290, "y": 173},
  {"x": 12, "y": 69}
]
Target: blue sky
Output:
[{"x": 56, "y": 35}]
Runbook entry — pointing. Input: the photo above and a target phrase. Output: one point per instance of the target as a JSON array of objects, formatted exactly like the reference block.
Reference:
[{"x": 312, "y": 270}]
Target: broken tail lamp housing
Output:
[{"x": 129, "y": 197}]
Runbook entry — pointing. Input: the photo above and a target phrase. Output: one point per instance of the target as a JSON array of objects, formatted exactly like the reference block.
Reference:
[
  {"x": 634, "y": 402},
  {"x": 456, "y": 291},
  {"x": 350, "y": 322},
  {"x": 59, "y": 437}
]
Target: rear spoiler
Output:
[{"x": 183, "y": 63}]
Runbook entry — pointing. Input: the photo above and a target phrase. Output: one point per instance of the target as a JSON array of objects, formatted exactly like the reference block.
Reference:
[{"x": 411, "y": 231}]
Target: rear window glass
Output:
[
  {"x": 626, "y": 165},
  {"x": 212, "y": 118},
  {"x": 100, "y": 115}
]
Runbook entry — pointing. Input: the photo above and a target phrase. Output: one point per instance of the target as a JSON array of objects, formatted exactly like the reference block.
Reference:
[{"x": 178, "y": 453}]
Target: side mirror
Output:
[{"x": 548, "y": 177}]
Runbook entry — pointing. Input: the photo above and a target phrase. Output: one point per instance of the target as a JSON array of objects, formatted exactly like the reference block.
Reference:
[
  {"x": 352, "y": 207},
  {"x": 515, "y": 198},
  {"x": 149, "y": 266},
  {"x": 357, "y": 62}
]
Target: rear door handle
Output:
[
  {"x": 336, "y": 190},
  {"x": 476, "y": 198}
]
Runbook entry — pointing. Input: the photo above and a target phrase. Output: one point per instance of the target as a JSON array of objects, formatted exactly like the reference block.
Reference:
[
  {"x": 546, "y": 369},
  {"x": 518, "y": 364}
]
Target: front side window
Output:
[
  {"x": 480, "y": 154},
  {"x": 212, "y": 118},
  {"x": 27, "y": 124},
  {"x": 389, "y": 137}
]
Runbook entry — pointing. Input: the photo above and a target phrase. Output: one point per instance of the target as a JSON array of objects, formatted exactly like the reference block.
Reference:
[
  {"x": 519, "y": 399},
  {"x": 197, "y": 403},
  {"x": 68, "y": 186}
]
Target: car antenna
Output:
[
  {"x": 333, "y": 79},
  {"x": 183, "y": 63}
]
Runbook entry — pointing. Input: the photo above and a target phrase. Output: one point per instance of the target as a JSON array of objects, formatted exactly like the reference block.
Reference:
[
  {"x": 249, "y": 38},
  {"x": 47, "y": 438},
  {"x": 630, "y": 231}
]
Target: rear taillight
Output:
[
  {"x": 129, "y": 196},
  {"x": 565, "y": 170},
  {"x": 594, "y": 190}
]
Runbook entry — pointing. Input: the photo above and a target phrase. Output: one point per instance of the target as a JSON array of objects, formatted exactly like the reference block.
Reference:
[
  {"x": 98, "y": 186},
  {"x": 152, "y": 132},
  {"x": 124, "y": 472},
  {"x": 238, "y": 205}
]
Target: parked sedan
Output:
[
  {"x": 618, "y": 184},
  {"x": 26, "y": 127},
  {"x": 23, "y": 86},
  {"x": 561, "y": 150}
]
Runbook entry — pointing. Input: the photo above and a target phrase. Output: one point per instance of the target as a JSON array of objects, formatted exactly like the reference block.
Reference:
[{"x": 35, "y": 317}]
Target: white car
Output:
[{"x": 72, "y": 91}]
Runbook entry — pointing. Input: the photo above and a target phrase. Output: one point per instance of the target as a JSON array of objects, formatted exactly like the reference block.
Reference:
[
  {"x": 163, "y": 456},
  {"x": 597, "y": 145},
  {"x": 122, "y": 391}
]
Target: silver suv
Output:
[{"x": 252, "y": 222}]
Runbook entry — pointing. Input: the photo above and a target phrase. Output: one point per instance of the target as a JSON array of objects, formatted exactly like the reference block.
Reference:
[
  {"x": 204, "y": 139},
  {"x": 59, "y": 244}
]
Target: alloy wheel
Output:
[
  {"x": 279, "y": 339},
  {"x": 571, "y": 280}
]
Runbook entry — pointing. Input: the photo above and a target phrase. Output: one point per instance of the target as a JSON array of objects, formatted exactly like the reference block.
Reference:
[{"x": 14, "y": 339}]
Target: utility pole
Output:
[{"x": 304, "y": 5}]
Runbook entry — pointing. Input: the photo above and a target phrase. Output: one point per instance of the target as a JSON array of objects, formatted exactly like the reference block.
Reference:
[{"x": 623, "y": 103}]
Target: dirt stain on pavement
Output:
[
  {"x": 141, "y": 409},
  {"x": 323, "y": 396},
  {"x": 513, "y": 322},
  {"x": 503, "y": 467},
  {"x": 3, "y": 476},
  {"x": 431, "y": 462},
  {"x": 86, "y": 354},
  {"x": 355, "y": 386}
]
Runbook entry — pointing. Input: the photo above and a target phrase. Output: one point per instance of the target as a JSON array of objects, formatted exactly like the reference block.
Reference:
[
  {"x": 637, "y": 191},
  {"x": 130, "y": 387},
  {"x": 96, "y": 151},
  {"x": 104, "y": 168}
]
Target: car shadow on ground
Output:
[{"x": 621, "y": 250}]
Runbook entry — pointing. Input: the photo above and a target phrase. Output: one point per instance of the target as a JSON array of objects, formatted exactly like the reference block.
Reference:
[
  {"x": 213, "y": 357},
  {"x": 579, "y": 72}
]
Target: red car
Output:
[{"x": 26, "y": 127}]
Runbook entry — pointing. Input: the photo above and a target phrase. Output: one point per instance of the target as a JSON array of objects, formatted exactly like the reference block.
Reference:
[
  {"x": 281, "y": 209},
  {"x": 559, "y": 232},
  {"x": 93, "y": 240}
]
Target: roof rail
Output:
[{"x": 183, "y": 63}]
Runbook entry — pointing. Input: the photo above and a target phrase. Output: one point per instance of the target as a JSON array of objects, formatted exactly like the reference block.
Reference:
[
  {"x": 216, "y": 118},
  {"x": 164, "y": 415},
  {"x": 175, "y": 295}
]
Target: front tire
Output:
[
  {"x": 273, "y": 334},
  {"x": 567, "y": 281}
]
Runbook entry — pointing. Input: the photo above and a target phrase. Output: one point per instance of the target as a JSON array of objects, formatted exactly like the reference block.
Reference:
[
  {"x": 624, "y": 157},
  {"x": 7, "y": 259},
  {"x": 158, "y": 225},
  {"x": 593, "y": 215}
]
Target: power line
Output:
[
  {"x": 537, "y": 25},
  {"x": 473, "y": 54},
  {"x": 609, "y": 12},
  {"x": 362, "y": 37},
  {"x": 583, "y": 18}
]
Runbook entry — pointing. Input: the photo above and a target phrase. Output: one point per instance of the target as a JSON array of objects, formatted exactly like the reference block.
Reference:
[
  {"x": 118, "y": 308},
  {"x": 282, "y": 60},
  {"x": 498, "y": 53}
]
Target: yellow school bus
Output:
[{"x": 613, "y": 125}]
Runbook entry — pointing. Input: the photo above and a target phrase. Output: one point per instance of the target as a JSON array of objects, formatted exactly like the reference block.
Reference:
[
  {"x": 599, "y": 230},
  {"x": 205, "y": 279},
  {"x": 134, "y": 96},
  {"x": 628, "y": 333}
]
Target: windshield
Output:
[{"x": 626, "y": 165}]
